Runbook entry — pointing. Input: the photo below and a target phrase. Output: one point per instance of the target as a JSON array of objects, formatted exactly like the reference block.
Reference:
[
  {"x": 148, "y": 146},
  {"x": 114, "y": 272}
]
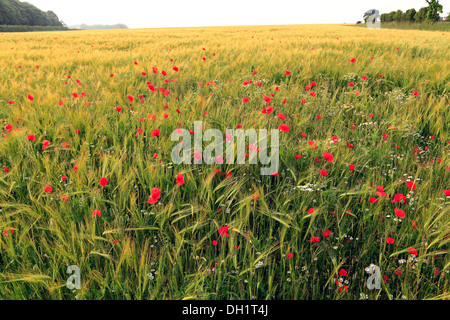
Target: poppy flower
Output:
[
  {"x": 326, "y": 233},
  {"x": 390, "y": 240},
  {"x": 288, "y": 72},
  {"x": 281, "y": 116},
  {"x": 180, "y": 179},
  {"x": 352, "y": 60},
  {"x": 380, "y": 191},
  {"x": 447, "y": 192},
  {"x": 245, "y": 100},
  {"x": 255, "y": 197},
  {"x": 6, "y": 169},
  {"x": 139, "y": 132},
  {"x": 342, "y": 273},
  {"x": 96, "y": 213},
  {"x": 214, "y": 243},
  {"x": 31, "y": 137},
  {"x": 30, "y": 97},
  {"x": 351, "y": 84},
  {"x": 155, "y": 194},
  {"x": 64, "y": 198},
  {"x": 8, "y": 231},
  {"x": 399, "y": 213},
  {"x": 310, "y": 210},
  {"x": 398, "y": 198},
  {"x": 175, "y": 69},
  {"x": 411, "y": 185},
  {"x": 415, "y": 92},
  {"x": 364, "y": 78},
  {"x": 130, "y": 98},
  {"x": 373, "y": 199},
  {"x": 328, "y": 156},
  {"x": 48, "y": 189},
  {"x": 289, "y": 255},
  {"x": 284, "y": 128},
  {"x": 412, "y": 251},
  {"x": 103, "y": 181},
  {"x": 351, "y": 167},
  {"x": 314, "y": 239},
  {"x": 45, "y": 144},
  {"x": 155, "y": 133},
  {"x": 223, "y": 231},
  {"x": 324, "y": 172}
]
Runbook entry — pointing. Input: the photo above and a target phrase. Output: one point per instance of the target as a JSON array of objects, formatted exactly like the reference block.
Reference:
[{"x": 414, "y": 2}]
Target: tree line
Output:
[
  {"x": 16, "y": 13},
  {"x": 425, "y": 14}
]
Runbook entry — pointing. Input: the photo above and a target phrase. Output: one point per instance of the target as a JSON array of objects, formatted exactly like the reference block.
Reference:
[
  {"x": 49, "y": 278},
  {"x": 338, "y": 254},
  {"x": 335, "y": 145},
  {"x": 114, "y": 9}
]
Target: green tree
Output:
[
  {"x": 409, "y": 15},
  {"x": 14, "y": 12},
  {"x": 434, "y": 8},
  {"x": 421, "y": 15},
  {"x": 398, "y": 15}
]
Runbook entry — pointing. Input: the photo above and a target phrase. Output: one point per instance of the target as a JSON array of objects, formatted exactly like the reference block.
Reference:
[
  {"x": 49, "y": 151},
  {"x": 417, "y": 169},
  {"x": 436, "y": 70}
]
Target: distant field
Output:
[
  {"x": 80, "y": 155},
  {"x": 437, "y": 26}
]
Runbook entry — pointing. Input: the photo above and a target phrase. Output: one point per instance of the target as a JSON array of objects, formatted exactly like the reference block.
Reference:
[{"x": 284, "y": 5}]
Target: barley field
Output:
[{"x": 87, "y": 177}]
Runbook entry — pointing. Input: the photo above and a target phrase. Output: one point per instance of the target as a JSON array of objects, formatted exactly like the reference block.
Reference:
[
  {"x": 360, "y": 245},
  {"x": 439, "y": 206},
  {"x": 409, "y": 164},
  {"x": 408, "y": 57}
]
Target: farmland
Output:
[{"x": 87, "y": 177}]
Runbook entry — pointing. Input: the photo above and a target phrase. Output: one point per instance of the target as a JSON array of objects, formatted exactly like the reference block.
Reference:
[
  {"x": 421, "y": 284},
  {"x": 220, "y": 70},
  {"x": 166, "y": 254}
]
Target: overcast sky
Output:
[{"x": 191, "y": 13}]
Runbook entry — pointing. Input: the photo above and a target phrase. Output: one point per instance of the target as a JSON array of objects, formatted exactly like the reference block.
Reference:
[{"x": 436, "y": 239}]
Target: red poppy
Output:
[
  {"x": 289, "y": 255},
  {"x": 399, "y": 213},
  {"x": 373, "y": 199},
  {"x": 284, "y": 128},
  {"x": 411, "y": 185},
  {"x": 314, "y": 239},
  {"x": 326, "y": 233},
  {"x": 380, "y": 191},
  {"x": 310, "y": 210},
  {"x": 8, "y": 231},
  {"x": 412, "y": 251},
  {"x": 223, "y": 231},
  {"x": 96, "y": 213},
  {"x": 155, "y": 133},
  {"x": 324, "y": 172},
  {"x": 103, "y": 181},
  {"x": 398, "y": 198},
  {"x": 45, "y": 144},
  {"x": 328, "y": 156},
  {"x": 155, "y": 194},
  {"x": 351, "y": 167},
  {"x": 390, "y": 240},
  {"x": 180, "y": 179},
  {"x": 342, "y": 273},
  {"x": 31, "y": 137},
  {"x": 48, "y": 189}
]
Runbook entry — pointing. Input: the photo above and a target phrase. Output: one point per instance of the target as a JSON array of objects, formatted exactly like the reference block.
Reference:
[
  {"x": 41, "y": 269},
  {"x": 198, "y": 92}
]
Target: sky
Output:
[{"x": 196, "y": 13}]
